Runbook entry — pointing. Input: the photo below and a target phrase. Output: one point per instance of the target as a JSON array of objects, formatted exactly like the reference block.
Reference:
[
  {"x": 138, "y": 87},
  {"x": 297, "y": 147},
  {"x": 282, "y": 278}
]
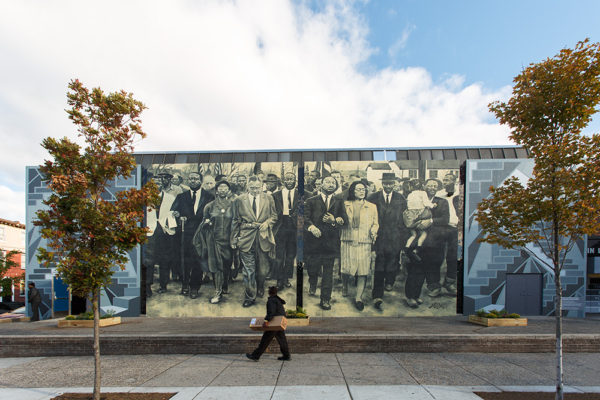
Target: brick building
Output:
[{"x": 12, "y": 238}]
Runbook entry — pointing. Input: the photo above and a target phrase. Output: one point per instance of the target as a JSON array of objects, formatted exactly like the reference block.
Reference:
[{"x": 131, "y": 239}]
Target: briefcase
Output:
[{"x": 277, "y": 323}]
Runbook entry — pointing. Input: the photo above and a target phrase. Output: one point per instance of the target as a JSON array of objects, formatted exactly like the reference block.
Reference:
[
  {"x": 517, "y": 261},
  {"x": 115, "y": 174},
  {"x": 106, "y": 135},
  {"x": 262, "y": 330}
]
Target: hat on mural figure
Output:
[
  {"x": 388, "y": 177},
  {"x": 165, "y": 172}
]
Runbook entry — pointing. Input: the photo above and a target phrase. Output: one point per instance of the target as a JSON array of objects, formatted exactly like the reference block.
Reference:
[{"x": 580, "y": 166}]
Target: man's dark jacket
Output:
[
  {"x": 274, "y": 307},
  {"x": 34, "y": 296},
  {"x": 329, "y": 242},
  {"x": 392, "y": 234},
  {"x": 183, "y": 204},
  {"x": 436, "y": 234}
]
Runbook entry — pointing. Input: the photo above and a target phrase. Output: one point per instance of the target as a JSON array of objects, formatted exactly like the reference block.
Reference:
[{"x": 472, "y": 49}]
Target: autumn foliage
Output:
[
  {"x": 88, "y": 233},
  {"x": 551, "y": 103}
]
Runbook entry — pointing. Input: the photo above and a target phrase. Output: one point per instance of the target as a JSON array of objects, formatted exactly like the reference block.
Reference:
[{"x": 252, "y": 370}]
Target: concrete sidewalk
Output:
[
  {"x": 457, "y": 324},
  {"x": 144, "y": 335},
  {"x": 329, "y": 376}
]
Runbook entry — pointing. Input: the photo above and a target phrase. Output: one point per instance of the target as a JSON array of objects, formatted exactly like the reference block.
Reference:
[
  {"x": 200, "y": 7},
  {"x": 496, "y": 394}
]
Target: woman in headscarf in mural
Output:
[
  {"x": 357, "y": 238},
  {"x": 212, "y": 239}
]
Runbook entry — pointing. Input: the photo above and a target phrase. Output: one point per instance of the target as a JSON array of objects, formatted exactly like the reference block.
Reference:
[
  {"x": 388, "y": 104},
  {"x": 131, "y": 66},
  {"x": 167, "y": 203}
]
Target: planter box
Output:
[
  {"x": 498, "y": 321},
  {"x": 65, "y": 323},
  {"x": 298, "y": 321},
  {"x": 13, "y": 318}
]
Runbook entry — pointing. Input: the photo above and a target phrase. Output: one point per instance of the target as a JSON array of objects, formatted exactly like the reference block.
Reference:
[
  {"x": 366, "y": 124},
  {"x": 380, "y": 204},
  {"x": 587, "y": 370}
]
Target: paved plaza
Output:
[{"x": 307, "y": 376}]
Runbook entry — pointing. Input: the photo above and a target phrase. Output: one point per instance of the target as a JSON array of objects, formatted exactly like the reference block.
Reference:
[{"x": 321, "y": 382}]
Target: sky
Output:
[{"x": 274, "y": 74}]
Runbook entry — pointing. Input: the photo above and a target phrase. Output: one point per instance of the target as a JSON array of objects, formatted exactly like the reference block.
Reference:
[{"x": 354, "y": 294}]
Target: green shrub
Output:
[
  {"x": 299, "y": 312},
  {"x": 88, "y": 316},
  {"x": 496, "y": 314}
]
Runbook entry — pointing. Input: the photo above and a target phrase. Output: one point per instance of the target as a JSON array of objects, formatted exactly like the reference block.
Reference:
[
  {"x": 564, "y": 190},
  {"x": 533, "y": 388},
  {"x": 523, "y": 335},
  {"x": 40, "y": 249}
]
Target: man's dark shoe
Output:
[
  {"x": 359, "y": 305},
  {"x": 251, "y": 357},
  {"x": 161, "y": 290},
  {"x": 412, "y": 303},
  {"x": 388, "y": 288},
  {"x": 312, "y": 291},
  {"x": 247, "y": 303},
  {"x": 194, "y": 294},
  {"x": 260, "y": 293},
  {"x": 378, "y": 305},
  {"x": 284, "y": 358},
  {"x": 288, "y": 284},
  {"x": 450, "y": 289},
  {"x": 185, "y": 292},
  {"x": 325, "y": 305}
]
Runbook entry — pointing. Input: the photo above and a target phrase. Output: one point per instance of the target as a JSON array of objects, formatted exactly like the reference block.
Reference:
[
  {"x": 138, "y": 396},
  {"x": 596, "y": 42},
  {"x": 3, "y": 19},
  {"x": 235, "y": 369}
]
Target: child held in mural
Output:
[{"x": 417, "y": 217}]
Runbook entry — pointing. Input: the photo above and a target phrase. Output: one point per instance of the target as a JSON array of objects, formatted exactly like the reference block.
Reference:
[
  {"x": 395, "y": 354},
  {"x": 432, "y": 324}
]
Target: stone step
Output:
[{"x": 60, "y": 345}]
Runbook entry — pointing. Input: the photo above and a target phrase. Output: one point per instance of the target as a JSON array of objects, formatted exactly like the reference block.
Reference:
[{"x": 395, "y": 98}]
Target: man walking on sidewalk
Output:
[{"x": 274, "y": 308}]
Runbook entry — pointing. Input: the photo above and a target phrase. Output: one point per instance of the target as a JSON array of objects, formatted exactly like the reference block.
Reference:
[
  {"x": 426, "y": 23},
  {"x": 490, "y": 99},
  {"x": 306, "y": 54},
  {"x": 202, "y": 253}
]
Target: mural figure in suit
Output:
[
  {"x": 254, "y": 216},
  {"x": 161, "y": 236},
  {"x": 286, "y": 204},
  {"x": 357, "y": 238},
  {"x": 189, "y": 207},
  {"x": 450, "y": 193},
  {"x": 426, "y": 267},
  {"x": 390, "y": 237},
  {"x": 323, "y": 217}
]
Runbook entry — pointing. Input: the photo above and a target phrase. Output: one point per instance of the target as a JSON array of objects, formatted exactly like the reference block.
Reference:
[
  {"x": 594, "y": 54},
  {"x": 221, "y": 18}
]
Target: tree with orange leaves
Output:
[
  {"x": 88, "y": 233},
  {"x": 551, "y": 103}
]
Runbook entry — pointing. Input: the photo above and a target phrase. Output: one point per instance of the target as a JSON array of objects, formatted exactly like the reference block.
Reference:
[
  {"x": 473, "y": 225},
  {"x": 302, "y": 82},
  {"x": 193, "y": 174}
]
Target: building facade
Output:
[
  {"x": 413, "y": 253},
  {"x": 12, "y": 238}
]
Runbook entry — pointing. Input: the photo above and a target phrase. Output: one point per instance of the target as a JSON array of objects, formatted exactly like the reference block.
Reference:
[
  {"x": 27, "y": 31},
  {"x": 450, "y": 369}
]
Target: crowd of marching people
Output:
[{"x": 211, "y": 230}]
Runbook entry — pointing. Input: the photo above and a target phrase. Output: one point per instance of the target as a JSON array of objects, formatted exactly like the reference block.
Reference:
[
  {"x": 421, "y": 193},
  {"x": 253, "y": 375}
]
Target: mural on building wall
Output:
[
  {"x": 122, "y": 297},
  {"x": 224, "y": 232},
  {"x": 486, "y": 266}
]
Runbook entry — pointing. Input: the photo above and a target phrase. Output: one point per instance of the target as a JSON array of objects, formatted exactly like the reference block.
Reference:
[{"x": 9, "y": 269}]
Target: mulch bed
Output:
[
  {"x": 535, "y": 396},
  {"x": 116, "y": 396}
]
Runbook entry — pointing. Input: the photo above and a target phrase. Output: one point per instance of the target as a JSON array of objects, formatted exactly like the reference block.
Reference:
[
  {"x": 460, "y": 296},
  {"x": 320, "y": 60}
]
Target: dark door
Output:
[
  {"x": 61, "y": 295},
  {"x": 524, "y": 294}
]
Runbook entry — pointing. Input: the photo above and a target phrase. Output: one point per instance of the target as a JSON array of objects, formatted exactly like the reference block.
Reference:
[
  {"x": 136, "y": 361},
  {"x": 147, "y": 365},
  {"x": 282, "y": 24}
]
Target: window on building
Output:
[
  {"x": 22, "y": 261},
  {"x": 2, "y": 233},
  {"x": 413, "y": 174}
]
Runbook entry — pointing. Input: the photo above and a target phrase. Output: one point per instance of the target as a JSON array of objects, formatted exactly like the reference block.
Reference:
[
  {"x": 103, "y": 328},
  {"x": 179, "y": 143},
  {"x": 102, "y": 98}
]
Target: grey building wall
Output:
[
  {"x": 486, "y": 266},
  {"x": 123, "y": 295}
]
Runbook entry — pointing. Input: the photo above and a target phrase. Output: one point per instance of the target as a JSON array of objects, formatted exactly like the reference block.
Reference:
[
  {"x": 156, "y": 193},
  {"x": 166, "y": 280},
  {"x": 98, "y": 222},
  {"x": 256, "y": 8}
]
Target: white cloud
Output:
[
  {"x": 210, "y": 86},
  {"x": 402, "y": 41},
  {"x": 12, "y": 204}
]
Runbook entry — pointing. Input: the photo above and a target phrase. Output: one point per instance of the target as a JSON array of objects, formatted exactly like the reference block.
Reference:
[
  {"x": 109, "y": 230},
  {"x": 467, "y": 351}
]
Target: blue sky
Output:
[
  {"x": 274, "y": 74},
  {"x": 484, "y": 41}
]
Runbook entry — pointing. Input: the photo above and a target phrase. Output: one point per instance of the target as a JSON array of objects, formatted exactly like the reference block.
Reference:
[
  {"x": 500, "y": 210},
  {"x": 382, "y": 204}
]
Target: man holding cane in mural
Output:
[{"x": 189, "y": 207}]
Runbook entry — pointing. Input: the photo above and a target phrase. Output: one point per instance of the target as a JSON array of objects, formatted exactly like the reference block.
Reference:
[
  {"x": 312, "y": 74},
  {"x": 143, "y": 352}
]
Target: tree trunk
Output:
[
  {"x": 97, "y": 375},
  {"x": 558, "y": 314}
]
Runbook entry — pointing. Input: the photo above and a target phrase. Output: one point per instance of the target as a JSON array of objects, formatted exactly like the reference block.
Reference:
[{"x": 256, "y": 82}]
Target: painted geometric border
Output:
[
  {"x": 122, "y": 297},
  {"x": 486, "y": 266}
]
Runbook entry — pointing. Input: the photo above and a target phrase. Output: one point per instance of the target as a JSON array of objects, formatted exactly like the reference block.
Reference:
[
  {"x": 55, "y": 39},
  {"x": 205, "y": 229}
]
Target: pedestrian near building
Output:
[
  {"x": 35, "y": 300},
  {"x": 274, "y": 308}
]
